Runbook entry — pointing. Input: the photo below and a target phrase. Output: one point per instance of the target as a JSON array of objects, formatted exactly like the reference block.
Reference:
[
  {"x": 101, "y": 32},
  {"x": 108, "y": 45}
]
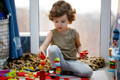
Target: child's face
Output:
[{"x": 61, "y": 23}]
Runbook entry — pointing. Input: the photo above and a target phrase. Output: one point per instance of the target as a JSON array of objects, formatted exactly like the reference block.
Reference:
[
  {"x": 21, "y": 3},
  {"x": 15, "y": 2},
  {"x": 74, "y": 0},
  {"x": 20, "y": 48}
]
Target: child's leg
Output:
[
  {"x": 79, "y": 68},
  {"x": 53, "y": 52}
]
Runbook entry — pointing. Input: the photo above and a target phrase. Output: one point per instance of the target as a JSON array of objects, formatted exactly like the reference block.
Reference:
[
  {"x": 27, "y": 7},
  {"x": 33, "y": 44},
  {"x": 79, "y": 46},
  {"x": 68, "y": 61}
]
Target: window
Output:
[
  {"x": 114, "y": 11},
  {"x": 87, "y": 21},
  {"x": 22, "y": 11}
]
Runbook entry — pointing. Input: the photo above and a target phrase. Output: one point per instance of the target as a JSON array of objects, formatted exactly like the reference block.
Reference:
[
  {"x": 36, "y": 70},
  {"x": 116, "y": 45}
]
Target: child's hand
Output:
[
  {"x": 42, "y": 55},
  {"x": 41, "y": 51}
]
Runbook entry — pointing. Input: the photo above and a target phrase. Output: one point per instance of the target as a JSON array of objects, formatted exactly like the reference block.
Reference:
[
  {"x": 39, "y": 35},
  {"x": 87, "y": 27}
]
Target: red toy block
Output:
[
  {"x": 83, "y": 54},
  {"x": 21, "y": 74},
  {"x": 43, "y": 62},
  {"x": 3, "y": 78},
  {"x": 42, "y": 75},
  {"x": 42, "y": 56},
  {"x": 29, "y": 78},
  {"x": 84, "y": 79},
  {"x": 66, "y": 79},
  {"x": 57, "y": 78},
  {"x": 113, "y": 67}
]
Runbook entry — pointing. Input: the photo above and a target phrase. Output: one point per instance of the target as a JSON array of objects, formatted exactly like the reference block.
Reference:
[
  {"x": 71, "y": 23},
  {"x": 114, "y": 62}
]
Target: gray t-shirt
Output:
[{"x": 66, "y": 42}]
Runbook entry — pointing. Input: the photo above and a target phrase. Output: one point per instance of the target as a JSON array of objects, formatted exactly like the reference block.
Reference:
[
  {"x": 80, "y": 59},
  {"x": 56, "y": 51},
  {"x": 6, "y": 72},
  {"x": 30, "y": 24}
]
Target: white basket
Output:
[{"x": 4, "y": 41}]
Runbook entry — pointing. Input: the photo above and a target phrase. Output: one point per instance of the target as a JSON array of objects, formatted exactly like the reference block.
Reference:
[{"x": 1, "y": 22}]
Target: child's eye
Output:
[
  {"x": 63, "y": 21},
  {"x": 56, "y": 21}
]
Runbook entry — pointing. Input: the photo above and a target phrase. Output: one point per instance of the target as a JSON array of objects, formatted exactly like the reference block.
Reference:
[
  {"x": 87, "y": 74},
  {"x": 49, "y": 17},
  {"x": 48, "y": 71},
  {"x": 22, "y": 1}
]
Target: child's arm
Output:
[
  {"x": 77, "y": 42},
  {"x": 46, "y": 43}
]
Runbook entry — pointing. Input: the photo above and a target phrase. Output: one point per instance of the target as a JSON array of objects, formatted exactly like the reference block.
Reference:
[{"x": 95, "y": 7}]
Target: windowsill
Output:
[{"x": 28, "y": 33}]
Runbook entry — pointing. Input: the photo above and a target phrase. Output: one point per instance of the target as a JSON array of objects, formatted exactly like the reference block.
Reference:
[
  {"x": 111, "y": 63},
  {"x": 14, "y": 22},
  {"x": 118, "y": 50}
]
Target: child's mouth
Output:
[{"x": 60, "y": 28}]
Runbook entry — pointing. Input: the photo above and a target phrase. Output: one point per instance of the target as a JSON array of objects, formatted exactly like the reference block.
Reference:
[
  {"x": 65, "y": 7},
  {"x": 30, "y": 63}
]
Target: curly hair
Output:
[{"x": 60, "y": 8}]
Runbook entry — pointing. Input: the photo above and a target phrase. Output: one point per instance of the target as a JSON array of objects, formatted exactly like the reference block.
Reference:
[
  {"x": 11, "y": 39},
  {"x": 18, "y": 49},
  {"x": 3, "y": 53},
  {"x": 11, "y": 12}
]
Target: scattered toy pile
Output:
[
  {"x": 28, "y": 60},
  {"x": 40, "y": 74},
  {"x": 31, "y": 61}
]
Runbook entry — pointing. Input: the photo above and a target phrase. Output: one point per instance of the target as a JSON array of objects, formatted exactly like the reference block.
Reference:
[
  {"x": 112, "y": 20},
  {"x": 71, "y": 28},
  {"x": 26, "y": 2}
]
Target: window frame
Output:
[
  {"x": 34, "y": 26},
  {"x": 105, "y": 24}
]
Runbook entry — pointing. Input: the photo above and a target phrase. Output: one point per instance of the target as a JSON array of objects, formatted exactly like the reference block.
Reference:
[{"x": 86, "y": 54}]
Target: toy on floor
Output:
[
  {"x": 112, "y": 65},
  {"x": 114, "y": 51},
  {"x": 55, "y": 73},
  {"x": 21, "y": 74},
  {"x": 83, "y": 54},
  {"x": 42, "y": 65},
  {"x": 12, "y": 73},
  {"x": 58, "y": 68},
  {"x": 8, "y": 75},
  {"x": 28, "y": 76},
  {"x": 3, "y": 72},
  {"x": 27, "y": 61},
  {"x": 42, "y": 74},
  {"x": 113, "y": 59}
]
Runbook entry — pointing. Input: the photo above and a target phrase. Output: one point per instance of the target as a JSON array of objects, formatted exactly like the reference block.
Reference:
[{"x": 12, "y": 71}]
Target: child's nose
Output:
[{"x": 59, "y": 24}]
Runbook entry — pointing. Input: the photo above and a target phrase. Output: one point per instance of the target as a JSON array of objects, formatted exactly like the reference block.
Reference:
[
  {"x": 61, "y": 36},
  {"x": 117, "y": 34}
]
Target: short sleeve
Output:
[{"x": 74, "y": 34}]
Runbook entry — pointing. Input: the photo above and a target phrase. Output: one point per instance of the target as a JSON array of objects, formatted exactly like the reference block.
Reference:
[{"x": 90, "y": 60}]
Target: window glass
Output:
[
  {"x": 22, "y": 11},
  {"x": 114, "y": 11}
]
